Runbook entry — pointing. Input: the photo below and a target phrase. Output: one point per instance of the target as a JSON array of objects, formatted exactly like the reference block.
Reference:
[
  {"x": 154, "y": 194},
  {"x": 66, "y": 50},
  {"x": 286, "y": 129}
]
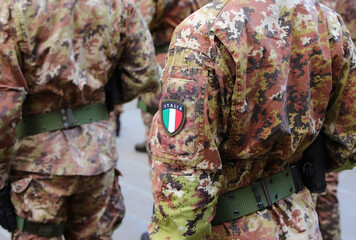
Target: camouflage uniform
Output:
[
  {"x": 327, "y": 204},
  {"x": 162, "y": 17},
  {"x": 347, "y": 10},
  {"x": 55, "y": 55},
  {"x": 327, "y": 207},
  {"x": 258, "y": 80}
]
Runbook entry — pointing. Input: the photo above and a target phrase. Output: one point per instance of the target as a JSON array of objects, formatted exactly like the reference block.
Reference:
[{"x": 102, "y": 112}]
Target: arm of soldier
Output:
[
  {"x": 340, "y": 122},
  {"x": 12, "y": 92},
  {"x": 347, "y": 9},
  {"x": 155, "y": 12},
  {"x": 139, "y": 69},
  {"x": 187, "y": 166},
  {"x": 148, "y": 11}
]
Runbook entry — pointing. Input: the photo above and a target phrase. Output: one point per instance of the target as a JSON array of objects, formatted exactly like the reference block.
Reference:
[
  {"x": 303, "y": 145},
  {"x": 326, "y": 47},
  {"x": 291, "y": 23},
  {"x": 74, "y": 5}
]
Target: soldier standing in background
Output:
[
  {"x": 162, "y": 17},
  {"x": 327, "y": 204},
  {"x": 56, "y": 57},
  {"x": 247, "y": 87}
]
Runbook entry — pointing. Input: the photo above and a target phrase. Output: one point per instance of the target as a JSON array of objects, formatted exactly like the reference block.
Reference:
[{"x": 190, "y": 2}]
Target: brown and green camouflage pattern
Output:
[
  {"x": 59, "y": 54},
  {"x": 347, "y": 10},
  {"x": 259, "y": 80},
  {"x": 327, "y": 208},
  {"x": 327, "y": 204},
  {"x": 162, "y": 17},
  {"x": 91, "y": 206},
  {"x": 266, "y": 224},
  {"x": 147, "y": 121}
]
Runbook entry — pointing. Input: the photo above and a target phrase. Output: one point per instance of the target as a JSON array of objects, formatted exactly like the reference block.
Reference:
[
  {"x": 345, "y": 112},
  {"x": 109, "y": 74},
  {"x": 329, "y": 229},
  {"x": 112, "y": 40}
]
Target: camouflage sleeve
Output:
[
  {"x": 148, "y": 10},
  {"x": 174, "y": 11},
  {"x": 155, "y": 12},
  {"x": 347, "y": 9},
  {"x": 185, "y": 136},
  {"x": 140, "y": 71},
  {"x": 340, "y": 122},
  {"x": 12, "y": 91}
]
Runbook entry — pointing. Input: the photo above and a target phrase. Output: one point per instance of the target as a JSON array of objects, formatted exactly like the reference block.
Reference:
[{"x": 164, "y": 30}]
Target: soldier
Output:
[
  {"x": 56, "y": 56},
  {"x": 162, "y": 17},
  {"x": 247, "y": 87},
  {"x": 327, "y": 207},
  {"x": 327, "y": 204}
]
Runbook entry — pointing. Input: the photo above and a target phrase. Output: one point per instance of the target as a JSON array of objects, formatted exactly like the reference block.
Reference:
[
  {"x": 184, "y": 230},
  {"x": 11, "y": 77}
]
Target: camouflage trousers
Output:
[
  {"x": 91, "y": 206},
  {"x": 147, "y": 121},
  {"x": 327, "y": 207},
  {"x": 291, "y": 218}
]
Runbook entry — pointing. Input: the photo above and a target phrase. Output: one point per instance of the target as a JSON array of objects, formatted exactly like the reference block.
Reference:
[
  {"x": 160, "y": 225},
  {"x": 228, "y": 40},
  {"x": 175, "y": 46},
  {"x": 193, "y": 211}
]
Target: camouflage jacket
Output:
[
  {"x": 59, "y": 54},
  {"x": 347, "y": 10},
  {"x": 163, "y": 16},
  {"x": 254, "y": 83}
]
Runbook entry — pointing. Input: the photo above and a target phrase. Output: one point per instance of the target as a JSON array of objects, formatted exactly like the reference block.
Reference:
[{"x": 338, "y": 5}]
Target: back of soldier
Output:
[
  {"x": 56, "y": 58},
  {"x": 67, "y": 66},
  {"x": 246, "y": 88}
]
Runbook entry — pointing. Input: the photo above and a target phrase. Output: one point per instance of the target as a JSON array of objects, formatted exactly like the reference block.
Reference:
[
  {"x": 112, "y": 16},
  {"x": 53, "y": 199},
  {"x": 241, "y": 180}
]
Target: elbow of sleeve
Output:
[
  {"x": 133, "y": 86},
  {"x": 348, "y": 165}
]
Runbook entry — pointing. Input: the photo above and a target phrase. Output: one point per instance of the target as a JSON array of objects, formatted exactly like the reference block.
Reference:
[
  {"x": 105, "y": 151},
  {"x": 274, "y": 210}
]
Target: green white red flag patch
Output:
[{"x": 173, "y": 115}]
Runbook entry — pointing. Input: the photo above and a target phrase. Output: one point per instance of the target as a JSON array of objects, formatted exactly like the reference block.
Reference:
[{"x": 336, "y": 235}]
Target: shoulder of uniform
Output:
[{"x": 195, "y": 31}]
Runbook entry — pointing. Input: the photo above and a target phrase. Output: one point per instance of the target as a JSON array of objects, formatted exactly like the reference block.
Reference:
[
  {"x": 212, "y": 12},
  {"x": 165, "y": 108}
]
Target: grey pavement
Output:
[{"x": 136, "y": 184}]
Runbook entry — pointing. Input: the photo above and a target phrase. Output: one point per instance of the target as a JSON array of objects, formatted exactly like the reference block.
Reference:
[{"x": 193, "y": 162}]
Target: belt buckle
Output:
[
  {"x": 257, "y": 195},
  {"x": 67, "y": 118},
  {"x": 298, "y": 183}
]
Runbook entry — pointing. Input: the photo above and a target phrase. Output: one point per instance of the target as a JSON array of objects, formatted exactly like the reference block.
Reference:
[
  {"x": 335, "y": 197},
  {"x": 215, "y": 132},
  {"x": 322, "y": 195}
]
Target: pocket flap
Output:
[{"x": 21, "y": 185}]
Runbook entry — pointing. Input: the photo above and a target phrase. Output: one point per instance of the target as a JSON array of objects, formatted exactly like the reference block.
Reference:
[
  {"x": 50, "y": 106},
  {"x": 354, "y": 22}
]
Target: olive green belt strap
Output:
[
  {"x": 257, "y": 196},
  {"x": 144, "y": 107},
  {"x": 162, "y": 48},
  {"x": 61, "y": 119},
  {"x": 40, "y": 229}
]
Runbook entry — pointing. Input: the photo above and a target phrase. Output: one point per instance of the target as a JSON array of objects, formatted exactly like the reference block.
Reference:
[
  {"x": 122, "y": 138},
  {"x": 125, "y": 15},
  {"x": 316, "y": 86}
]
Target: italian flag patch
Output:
[{"x": 173, "y": 116}]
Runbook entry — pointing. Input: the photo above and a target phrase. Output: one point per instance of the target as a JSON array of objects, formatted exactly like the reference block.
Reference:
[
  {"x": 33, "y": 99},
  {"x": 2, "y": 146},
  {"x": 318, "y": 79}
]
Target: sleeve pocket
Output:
[{"x": 187, "y": 144}]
